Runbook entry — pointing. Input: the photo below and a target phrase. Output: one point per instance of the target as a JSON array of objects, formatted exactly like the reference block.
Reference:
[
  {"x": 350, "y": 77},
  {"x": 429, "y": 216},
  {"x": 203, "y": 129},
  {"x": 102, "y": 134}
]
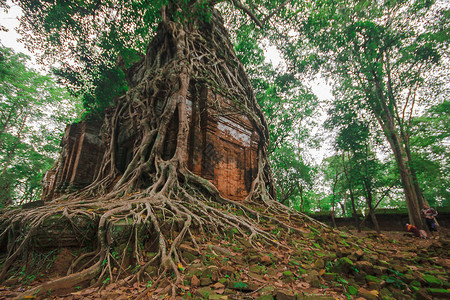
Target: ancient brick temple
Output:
[
  {"x": 79, "y": 159},
  {"x": 223, "y": 144},
  {"x": 222, "y": 148}
]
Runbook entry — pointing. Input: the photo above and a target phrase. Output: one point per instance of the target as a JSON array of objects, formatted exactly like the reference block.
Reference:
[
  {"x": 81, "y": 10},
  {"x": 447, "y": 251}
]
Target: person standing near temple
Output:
[{"x": 429, "y": 214}]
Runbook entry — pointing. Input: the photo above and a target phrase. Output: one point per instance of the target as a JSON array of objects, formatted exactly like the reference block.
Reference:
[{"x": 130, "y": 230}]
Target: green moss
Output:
[
  {"x": 370, "y": 278},
  {"x": 415, "y": 283},
  {"x": 352, "y": 290},
  {"x": 432, "y": 280},
  {"x": 441, "y": 293}
]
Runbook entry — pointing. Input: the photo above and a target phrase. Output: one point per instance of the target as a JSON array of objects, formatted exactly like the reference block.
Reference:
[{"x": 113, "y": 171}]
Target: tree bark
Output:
[
  {"x": 401, "y": 157},
  {"x": 369, "y": 200},
  {"x": 352, "y": 196},
  {"x": 383, "y": 111}
]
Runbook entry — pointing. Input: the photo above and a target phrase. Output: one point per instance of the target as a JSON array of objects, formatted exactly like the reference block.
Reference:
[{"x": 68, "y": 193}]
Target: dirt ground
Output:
[{"x": 394, "y": 244}]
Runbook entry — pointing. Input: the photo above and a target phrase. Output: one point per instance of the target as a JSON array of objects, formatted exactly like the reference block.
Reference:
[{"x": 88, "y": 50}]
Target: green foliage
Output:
[
  {"x": 33, "y": 112},
  {"x": 87, "y": 39},
  {"x": 291, "y": 174},
  {"x": 290, "y": 108},
  {"x": 240, "y": 285},
  {"x": 383, "y": 58},
  {"x": 432, "y": 154},
  {"x": 377, "y": 54}
]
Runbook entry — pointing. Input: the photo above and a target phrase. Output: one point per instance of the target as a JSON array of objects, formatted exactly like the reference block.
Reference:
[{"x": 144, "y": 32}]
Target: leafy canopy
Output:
[
  {"x": 33, "y": 112},
  {"x": 90, "y": 43}
]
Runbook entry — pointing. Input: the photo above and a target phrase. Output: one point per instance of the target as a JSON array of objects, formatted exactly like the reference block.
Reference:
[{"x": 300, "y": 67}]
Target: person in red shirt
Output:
[
  {"x": 429, "y": 213},
  {"x": 416, "y": 231}
]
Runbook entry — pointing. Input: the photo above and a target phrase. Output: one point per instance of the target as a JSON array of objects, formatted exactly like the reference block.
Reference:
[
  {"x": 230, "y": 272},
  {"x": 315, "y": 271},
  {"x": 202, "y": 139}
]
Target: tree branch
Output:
[
  {"x": 275, "y": 11},
  {"x": 245, "y": 9}
]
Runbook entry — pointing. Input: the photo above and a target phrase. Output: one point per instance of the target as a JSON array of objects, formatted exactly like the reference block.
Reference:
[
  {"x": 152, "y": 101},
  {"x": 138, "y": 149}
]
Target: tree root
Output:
[
  {"x": 63, "y": 283},
  {"x": 156, "y": 201},
  {"x": 190, "y": 214}
]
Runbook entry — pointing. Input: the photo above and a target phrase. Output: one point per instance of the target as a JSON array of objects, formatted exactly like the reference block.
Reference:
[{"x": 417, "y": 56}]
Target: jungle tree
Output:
[
  {"x": 31, "y": 107},
  {"x": 382, "y": 54},
  {"x": 431, "y": 153},
  {"x": 136, "y": 62}
]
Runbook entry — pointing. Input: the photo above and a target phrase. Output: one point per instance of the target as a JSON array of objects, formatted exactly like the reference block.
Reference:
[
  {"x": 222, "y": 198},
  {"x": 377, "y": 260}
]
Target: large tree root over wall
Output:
[
  {"x": 155, "y": 203},
  {"x": 139, "y": 231}
]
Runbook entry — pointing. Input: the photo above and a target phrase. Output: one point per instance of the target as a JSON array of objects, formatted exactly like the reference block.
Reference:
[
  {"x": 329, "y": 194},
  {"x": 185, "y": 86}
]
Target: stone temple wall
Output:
[
  {"x": 222, "y": 148},
  {"x": 223, "y": 144},
  {"x": 78, "y": 162}
]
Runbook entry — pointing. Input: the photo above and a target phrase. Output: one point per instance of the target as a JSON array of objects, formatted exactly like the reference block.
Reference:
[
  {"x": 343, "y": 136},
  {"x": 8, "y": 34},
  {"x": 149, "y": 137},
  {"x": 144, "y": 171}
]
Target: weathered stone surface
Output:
[
  {"x": 422, "y": 295},
  {"x": 431, "y": 280},
  {"x": 227, "y": 270},
  {"x": 57, "y": 231},
  {"x": 78, "y": 162},
  {"x": 370, "y": 295},
  {"x": 223, "y": 144},
  {"x": 285, "y": 295},
  {"x": 343, "y": 265},
  {"x": 265, "y": 297},
  {"x": 439, "y": 293},
  {"x": 365, "y": 266},
  {"x": 204, "y": 292},
  {"x": 222, "y": 148}
]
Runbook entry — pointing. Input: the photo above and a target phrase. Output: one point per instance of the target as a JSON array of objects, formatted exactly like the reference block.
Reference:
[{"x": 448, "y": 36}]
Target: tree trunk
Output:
[
  {"x": 342, "y": 205},
  {"x": 333, "y": 201},
  {"x": 164, "y": 163},
  {"x": 301, "y": 198},
  {"x": 352, "y": 196},
  {"x": 412, "y": 199},
  {"x": 383, "y": 111},
  {"x": 369, "y": 200}
]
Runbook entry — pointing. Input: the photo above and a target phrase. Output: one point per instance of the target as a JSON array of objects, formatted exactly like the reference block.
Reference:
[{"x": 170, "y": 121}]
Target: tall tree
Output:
[
  {"x": 33, "y": 110},
  {"x": 431, "y": 153},
  {"x": 103, "y": 42},
  {"x": 293, "y": 177},
  {"x": 290, "y": 108},
  {"x": 355, "y": 143},
  {"x": 380, "y": 54}
]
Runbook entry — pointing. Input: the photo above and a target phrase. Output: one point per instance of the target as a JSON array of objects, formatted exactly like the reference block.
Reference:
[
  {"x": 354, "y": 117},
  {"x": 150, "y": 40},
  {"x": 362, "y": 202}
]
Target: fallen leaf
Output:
[
  {"x": 303, "y": 285},
  {"x": 195, "y": 282},
  {"x": 218, "y": 286},
  {"x": 180, "y": 266}
]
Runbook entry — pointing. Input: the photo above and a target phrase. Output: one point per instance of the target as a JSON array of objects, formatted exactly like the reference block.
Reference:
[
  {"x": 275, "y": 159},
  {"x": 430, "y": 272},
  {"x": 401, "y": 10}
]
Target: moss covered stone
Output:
[
  {"x": 329, "y": 276},
  {"x": 431, "y": 280},
  {"x": 415, "y": 283},
  {"x": 370, "y": 278},
  {"x": 352, "y": 290},
  {"x": 204, "y": 292},
  {"x": 288, "y": 277},
  {"x": 343, "y": 265},
  {"x": 440, "y": 293},
  {"x": 265, "y": 297}
]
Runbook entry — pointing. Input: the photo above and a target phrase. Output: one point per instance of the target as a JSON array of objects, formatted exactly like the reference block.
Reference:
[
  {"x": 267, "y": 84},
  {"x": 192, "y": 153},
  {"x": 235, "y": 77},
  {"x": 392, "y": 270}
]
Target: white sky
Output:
[
  {"x": 10, "y": 40},
  {"x": 10, "y": 21}
]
